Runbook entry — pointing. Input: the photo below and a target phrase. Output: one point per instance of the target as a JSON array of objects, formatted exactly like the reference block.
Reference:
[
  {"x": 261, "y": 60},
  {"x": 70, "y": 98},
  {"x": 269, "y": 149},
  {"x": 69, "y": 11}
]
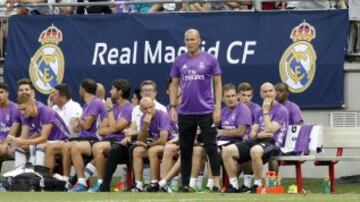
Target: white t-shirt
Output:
[
  {"x": 136, "y": 113},
  {"x": 70, "y": 110}
]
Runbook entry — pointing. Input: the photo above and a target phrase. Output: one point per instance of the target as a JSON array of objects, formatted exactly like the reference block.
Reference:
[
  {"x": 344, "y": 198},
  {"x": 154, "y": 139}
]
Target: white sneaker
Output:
[
  {"x": 14, "y": 172},
  {"x": 58, "y": 177}
]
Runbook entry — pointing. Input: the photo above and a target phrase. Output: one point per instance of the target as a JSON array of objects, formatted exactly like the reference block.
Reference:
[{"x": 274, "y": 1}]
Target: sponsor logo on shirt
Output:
[{"x": 193, "y": 76}]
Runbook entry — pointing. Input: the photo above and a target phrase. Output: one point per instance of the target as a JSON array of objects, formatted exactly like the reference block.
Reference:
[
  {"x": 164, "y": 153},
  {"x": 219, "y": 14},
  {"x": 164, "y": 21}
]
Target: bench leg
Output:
[
  {"x": 299, "y": 179},
  {"x": 332, "y": 177},
  {"x": 129, "y": 177},
  {"x": 225, "y": 178}
]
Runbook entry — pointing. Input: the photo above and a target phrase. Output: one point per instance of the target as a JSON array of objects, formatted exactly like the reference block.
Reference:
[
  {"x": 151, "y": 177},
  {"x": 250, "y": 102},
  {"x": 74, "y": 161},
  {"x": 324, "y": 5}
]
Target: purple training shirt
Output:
[
  {"x": 196, "y": 79},
  {"x": 124, "y": 111},
  {"x": 160, "y": 121},
  {"x": 295, "y": 115},
  {"x": 7, "y": 116},
  {"x": 94, "y": 108},
  {"x": 46, "y": 115},
  {"x": 279, "y": 114},
  {"x": 234, "y": 118}
]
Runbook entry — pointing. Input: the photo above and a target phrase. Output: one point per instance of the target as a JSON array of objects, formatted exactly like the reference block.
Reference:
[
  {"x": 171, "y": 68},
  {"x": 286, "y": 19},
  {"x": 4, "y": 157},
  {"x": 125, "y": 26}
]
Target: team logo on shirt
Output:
[
  {"x": 47, "y": 64},
  {"x": 298, "y": 63},
  {"x": 201, "y": 65}
]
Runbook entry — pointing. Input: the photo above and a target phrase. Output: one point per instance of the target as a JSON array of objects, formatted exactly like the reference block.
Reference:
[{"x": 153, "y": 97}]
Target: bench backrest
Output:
[{"x": 336, "y": 137}]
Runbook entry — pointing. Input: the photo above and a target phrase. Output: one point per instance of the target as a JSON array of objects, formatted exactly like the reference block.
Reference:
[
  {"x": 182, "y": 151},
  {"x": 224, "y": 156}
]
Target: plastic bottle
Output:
[{"x": 326, "y": 185}]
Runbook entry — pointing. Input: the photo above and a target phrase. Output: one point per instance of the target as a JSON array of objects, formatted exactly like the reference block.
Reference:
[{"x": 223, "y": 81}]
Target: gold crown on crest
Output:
[
  {"x": 303, "y": 32},
  {"x": 51, "y": 35}
]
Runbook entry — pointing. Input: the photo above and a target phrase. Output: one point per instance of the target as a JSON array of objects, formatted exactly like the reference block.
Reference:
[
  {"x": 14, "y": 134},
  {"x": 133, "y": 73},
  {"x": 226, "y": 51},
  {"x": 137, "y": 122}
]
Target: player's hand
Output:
[
  {"x": 147, "y": 118},
  {"x": 125, "y": 141},
  {"x": 19, "y": 141},
  {"x": 173, "y": 115},
  {"x": 109, "y": 103},
  {"x": 216, "y": 116},
  {"x": 266, "y": 105},
  {"x": 139, "y": 143}
]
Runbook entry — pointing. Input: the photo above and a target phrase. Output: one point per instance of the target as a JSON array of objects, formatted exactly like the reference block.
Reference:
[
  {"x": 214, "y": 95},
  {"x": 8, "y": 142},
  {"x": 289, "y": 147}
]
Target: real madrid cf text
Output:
[{"x": 236, "y": 52}]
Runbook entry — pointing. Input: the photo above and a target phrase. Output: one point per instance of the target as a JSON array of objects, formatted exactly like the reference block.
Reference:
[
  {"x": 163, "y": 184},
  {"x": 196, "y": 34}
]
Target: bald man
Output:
[
  {"x": 155, "y": 131},
  {"x": 199, "y": 75},
  {"x": 266, "y": 136}
]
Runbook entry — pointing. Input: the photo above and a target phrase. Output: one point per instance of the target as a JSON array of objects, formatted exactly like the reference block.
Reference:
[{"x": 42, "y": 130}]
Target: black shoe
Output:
[
  {"x": 163, "y": 189},
  {"x": 104, "y": 188},
  {"x": 215, "y": 190},
  {"x": 42, "y": 170},
  {"x": 135, "y": 189},
  {"x": 253, "y": 189},
  {"x": 153, "y": 187},
  {"x": 244, "y": 189},
  {"x": 231, "y": 189},
  {"x": 186, "y": 189}
]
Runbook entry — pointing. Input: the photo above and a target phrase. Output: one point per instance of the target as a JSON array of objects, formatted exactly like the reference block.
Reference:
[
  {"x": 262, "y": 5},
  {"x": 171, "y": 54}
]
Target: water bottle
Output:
[
  {"x": 2, "y": 188},
  {"x": 326, "y": 185}
]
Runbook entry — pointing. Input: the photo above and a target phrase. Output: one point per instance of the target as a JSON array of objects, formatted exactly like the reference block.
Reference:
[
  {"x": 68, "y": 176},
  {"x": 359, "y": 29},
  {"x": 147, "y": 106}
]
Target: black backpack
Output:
[
  {"x": 40, "y": 180},
  {"x": 23, "y": 182}
]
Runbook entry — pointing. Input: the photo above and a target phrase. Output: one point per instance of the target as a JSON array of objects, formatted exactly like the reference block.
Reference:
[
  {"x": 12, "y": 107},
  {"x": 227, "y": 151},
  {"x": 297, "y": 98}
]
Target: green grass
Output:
[
  {"x": 344, "y": 192},
  {"x": 164, "y": 197}
]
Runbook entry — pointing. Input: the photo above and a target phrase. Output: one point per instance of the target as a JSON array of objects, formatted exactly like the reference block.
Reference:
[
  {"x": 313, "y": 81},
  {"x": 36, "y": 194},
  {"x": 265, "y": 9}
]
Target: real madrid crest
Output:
[
  {"x": 47, "y": 65},
  {"x": 298, "y": 63}
]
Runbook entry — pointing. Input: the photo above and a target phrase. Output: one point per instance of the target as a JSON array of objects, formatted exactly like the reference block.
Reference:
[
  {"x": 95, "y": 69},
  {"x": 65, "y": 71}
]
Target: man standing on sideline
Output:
[{"x": 196, "y": 71}]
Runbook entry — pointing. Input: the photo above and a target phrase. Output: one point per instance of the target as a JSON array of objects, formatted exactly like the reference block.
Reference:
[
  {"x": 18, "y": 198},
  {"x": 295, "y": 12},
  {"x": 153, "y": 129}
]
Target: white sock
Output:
[
  {"x": 248, "y": 180},
  {"x": 39, "y": 156},
  {"x": 162, "y": 183},
  {"x": 32, "y": 151},
  {"x": 82, "y": 181},
  {"x": 154, "y": 181},
  {"x": 139, "y": 185},
  {"x": 192, "y": 183},
  {"x": 258, "y": 182},
  {"x": 234, "y": 182},
  {"x": 210, "y": 183},
  {"x": 146, "y": 174},
  {"x": 20, "y": 159},
  {"x": 99, "y": 181},
  {"x": 66, "y": 178},
  {"x": 89, "y": 170},
  {"x": 199, "y": 182}
]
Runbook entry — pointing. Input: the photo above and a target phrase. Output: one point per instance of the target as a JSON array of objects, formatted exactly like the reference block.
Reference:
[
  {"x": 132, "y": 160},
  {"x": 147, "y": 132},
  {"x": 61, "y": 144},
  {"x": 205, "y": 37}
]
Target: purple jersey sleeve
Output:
[
  {"x": 96, "y": 108},
  {"x": 126, "y": 113},
  {"x": 244, "y": 116},
  {"x": 216, "y": 66},
  {"x": 174, "y": 69}
]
